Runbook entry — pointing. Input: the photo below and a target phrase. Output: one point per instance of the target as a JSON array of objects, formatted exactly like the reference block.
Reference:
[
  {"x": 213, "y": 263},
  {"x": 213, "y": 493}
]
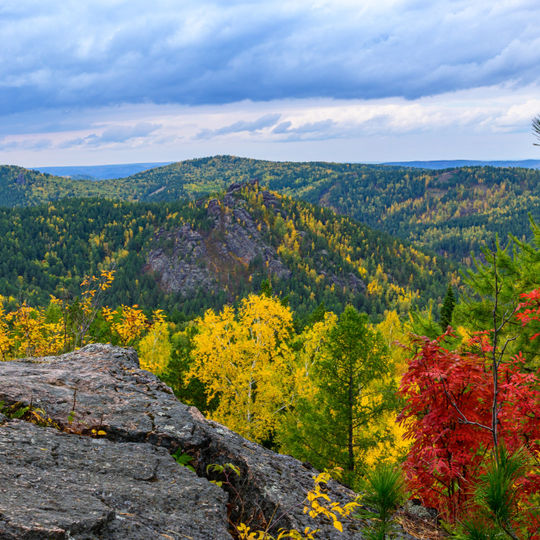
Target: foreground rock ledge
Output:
[{"x": 55, "y": 484}]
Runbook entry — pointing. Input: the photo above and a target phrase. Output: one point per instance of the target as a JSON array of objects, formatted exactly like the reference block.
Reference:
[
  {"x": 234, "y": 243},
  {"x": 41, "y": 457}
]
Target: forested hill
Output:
[
  {"x": 187, "y": 257},
  {"x": 26, "y": 187},
  {"x": 453, "y": 211}
]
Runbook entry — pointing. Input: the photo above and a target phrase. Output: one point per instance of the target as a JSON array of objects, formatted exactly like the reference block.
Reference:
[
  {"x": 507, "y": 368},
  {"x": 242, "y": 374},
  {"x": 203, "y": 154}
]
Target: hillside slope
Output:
[
  {"x": 25, "y": 187},
  {"x": 452, "y": 212},
  {"x": 188, "y": 257}
]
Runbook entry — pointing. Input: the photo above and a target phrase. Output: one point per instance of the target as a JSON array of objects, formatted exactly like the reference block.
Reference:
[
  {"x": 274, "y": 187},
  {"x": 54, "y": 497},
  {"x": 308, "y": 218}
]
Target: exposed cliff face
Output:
[
  {"x": 62, "y": 483},
  {"x": 181, "y": 266},
  {"x": 216, "y": 256}
]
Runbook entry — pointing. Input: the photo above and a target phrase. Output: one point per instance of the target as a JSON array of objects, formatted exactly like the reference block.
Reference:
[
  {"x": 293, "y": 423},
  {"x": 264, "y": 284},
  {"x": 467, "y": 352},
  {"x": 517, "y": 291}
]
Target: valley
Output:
[{"x": 303, "y": 305}]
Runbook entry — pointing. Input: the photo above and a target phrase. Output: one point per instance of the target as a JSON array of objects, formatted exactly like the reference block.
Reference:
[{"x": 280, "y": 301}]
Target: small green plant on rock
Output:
[
  {"x": 183, "y": 459},
  {"x": 226, "y": 469},
  {"x": 28, "y": 413},
  {"x": 384, "y": 494}
]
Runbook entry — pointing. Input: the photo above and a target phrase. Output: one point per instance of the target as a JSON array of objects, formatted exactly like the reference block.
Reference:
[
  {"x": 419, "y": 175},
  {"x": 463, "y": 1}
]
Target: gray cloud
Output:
[
  {"x": 268, "y": 120},
  {"x": 114, "y": 134},
  {"x": 282, "y": 128},
  {"x": 26, "y": 144},
  {"x": 101, "y": 53},
  {"x": 323, "y": 129}
]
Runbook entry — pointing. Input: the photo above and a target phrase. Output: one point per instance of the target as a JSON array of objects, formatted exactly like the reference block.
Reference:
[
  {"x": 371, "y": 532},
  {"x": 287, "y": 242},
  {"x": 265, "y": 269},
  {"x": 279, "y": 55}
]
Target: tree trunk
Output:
[{"x": 350, "y": 465}]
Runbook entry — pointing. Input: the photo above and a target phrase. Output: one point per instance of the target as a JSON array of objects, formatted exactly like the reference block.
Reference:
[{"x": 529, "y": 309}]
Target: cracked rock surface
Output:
[
  {"x": 127, "y": 485},
  {"x": 58, "y": 485}
]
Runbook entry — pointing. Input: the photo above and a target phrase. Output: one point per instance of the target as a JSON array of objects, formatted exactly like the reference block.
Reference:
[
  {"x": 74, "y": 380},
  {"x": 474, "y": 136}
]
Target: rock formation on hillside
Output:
[
  {"x": 215, "y": 256},
  {"x": 63, "y": 482}
]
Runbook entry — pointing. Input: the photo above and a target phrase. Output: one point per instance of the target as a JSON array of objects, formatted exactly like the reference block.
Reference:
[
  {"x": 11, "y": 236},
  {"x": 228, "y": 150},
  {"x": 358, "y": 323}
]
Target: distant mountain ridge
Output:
[
  {"x": 121, "y": 170},
  {"x": 451, "y": 211},
  {"x": 100, "y": 172},
  {"x": 447, "y": 164}
]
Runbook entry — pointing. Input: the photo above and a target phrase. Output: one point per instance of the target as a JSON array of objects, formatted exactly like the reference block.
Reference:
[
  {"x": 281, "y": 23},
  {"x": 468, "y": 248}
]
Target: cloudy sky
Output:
[{"x": 117, "y": 81}]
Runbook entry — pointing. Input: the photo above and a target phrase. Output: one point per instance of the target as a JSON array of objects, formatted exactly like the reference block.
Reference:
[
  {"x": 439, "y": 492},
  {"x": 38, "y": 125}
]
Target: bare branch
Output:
[
  {"x": 501, "y": 354},
  {"x": 536, "y": 129},
  {"x": 507, "y": 317},
  {"x": 494, "y": 364},
  {"x": 463, "y": 419}
]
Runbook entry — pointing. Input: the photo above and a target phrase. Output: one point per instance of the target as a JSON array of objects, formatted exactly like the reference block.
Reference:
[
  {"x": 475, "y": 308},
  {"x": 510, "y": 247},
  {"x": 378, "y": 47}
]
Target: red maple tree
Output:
[{"x": 449, "y": 417}]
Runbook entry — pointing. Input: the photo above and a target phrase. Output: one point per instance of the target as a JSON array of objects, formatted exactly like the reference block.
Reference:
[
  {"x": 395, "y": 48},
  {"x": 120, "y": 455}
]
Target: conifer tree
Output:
[
  {"x": 448, "y": 308},
  {"x": 505, "y": 272},
  {"x": 350, "y": 389}
]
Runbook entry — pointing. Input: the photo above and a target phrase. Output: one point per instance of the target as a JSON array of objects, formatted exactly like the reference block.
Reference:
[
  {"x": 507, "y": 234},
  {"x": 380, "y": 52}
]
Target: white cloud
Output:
[
  {"x": 114, "y": 134},
  {"x": 486, "y": 123}
]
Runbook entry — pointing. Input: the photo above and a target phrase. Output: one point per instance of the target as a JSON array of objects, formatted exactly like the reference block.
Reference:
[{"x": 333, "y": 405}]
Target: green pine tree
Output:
[
  {"x": 448, "y": 308},
  {"x": 353, "y": 390}
]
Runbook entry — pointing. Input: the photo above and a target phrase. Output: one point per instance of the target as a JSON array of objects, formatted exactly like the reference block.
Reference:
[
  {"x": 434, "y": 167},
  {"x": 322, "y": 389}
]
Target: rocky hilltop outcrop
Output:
[
  {"x": 220, "y": 253},
  {"x": 103, "y": 466},
  {"x": 236, "y": 241}
]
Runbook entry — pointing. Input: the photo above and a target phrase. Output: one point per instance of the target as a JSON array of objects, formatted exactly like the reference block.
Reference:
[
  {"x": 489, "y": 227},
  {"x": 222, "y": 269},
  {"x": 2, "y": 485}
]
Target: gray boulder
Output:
[
  {"x": 62, "y": 483},
  {"x": 59, "y": 485}
]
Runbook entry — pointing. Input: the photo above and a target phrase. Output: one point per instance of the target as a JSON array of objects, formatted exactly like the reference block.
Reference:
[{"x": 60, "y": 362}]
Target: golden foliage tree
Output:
[
  {"x": 65, "y": 325},
  {"x": 5, "y": 341},
  {"x": 31, "y": 333},
  {"x": 127, "y": 322},
  {"x": 243, "y": 357},
  {"x": 155, "y": 347},
  {"x": 82, "y": 313}
]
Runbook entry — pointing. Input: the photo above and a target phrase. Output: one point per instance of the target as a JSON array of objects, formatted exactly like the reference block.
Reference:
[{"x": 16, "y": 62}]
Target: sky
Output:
[{"x": 122, "y": 81}]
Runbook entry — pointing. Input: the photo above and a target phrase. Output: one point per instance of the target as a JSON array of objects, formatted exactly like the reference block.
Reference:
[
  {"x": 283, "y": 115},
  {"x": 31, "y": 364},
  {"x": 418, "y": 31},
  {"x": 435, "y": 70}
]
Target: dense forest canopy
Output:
[
  {"x": 186, "y": 257},
  {"x": 451, "y": 212}
]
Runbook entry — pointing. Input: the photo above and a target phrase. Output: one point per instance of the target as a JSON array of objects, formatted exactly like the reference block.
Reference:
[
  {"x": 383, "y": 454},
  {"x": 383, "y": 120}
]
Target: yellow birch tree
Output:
[
  {"x": 127, "y": 322},
  {"x": 155, "y": 347},
  {"x": 244, "y": 359}
]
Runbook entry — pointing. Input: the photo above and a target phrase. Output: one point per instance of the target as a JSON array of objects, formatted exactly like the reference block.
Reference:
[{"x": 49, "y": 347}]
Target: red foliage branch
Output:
[
  {"x": 448, "y": 417},
  {"x": 530, "y": 309}
]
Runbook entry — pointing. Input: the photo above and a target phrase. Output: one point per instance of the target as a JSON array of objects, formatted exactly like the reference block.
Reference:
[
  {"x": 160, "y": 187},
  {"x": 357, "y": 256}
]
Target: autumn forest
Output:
[{"x": 379, "y": 323}]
